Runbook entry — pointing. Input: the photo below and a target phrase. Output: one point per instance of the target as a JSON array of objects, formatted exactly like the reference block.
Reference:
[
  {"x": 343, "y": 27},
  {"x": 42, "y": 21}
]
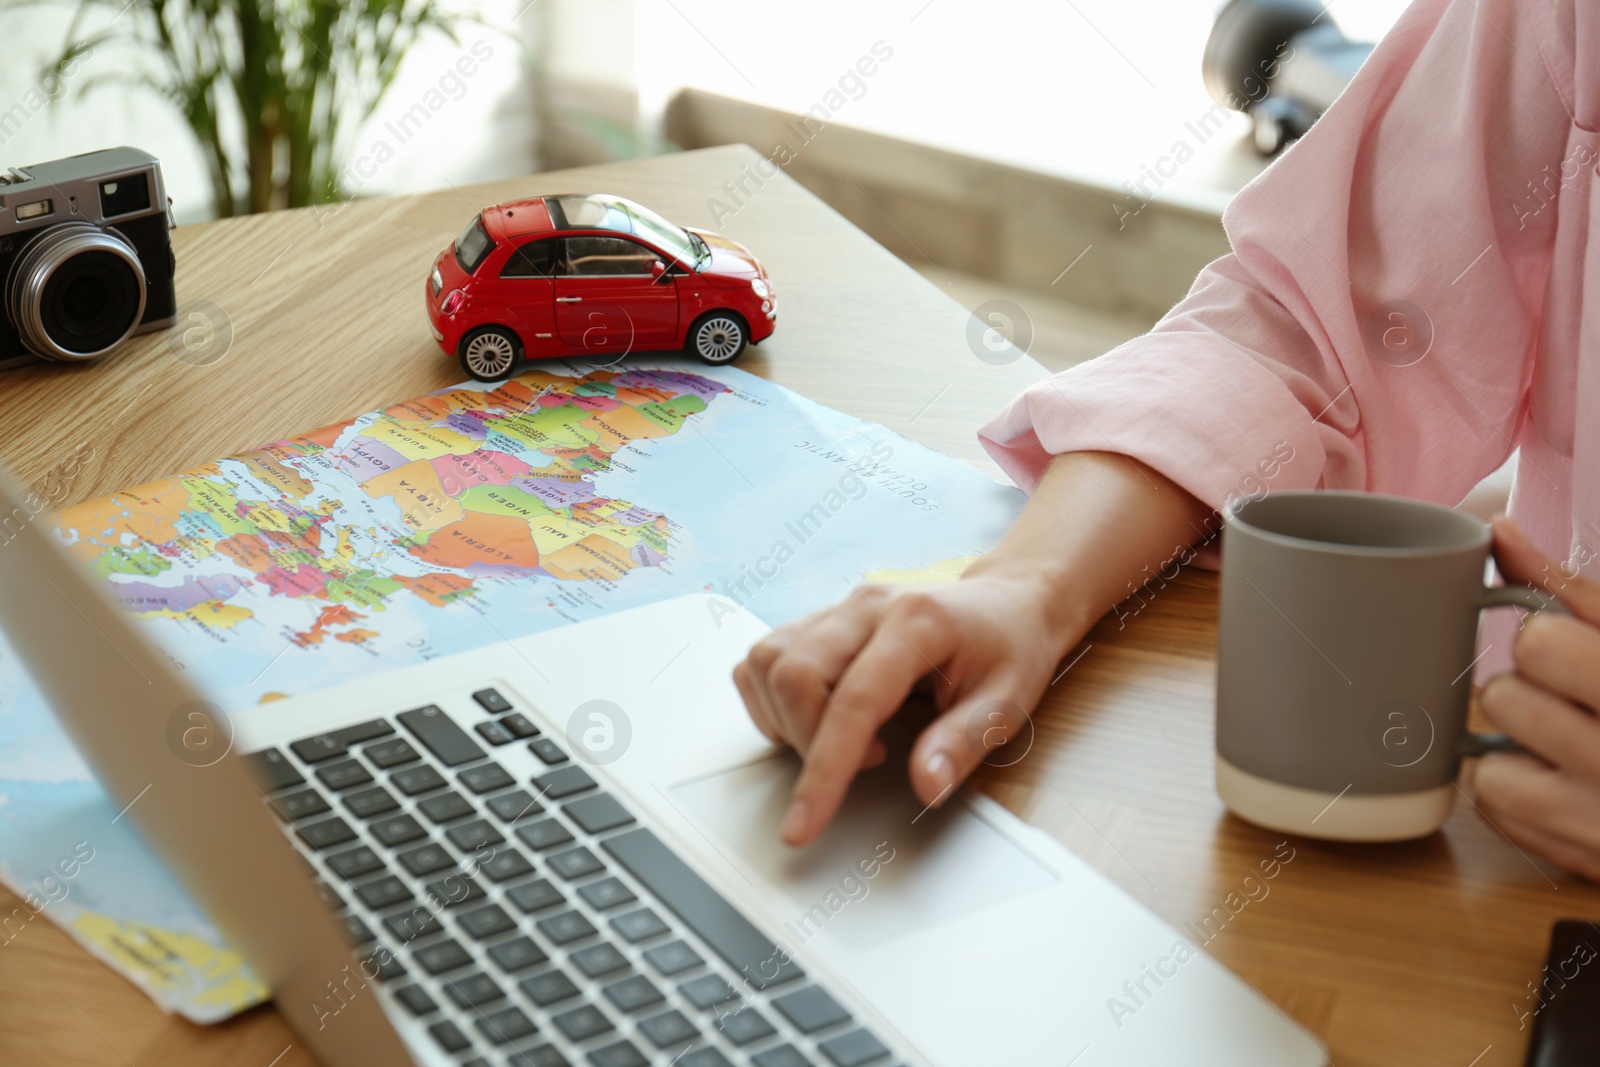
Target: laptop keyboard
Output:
[{"x": 537, "y": 923}]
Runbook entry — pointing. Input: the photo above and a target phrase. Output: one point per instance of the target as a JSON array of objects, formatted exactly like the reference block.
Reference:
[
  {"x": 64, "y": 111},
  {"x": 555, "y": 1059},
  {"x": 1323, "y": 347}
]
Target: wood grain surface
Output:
[{"x": 1412, "y": 954}]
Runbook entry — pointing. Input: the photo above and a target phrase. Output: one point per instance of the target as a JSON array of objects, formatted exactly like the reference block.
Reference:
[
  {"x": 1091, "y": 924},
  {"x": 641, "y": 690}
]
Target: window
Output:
[
  {"x": 536, "y": 259},
  {"x": 588, "y": 213},
  {"x": 608, "y": 257},
  {"x": 473, "y": 246},
  {"x": 653, "y": 227}
]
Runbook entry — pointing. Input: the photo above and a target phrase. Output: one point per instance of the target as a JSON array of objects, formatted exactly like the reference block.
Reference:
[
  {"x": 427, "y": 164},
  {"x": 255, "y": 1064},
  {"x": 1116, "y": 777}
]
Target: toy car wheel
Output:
[
  {"x": 718, "y": 337},
  {"x": 491, "y": 353}
]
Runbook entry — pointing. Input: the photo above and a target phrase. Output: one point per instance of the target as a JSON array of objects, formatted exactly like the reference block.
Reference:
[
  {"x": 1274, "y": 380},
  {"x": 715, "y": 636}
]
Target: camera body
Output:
[{"x": 85, "y": 256}]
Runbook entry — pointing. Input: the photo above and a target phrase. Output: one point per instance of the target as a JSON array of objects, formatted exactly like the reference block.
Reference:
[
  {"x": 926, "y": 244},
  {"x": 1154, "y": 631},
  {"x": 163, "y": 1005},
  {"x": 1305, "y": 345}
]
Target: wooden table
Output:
[{"x": 1409, "y": 954}]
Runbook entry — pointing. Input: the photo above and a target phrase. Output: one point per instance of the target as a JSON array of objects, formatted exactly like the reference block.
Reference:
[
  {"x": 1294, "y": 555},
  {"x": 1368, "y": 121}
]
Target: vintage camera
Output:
[{"x": 85, "y": 254}]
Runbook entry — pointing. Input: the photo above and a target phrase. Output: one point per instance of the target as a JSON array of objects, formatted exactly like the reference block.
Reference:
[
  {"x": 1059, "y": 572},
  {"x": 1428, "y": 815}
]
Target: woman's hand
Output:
[
  {"x": 1549, "y": 799},
  {"x": 827, "y": 683},
  {"x": 1097, "y": 523}
]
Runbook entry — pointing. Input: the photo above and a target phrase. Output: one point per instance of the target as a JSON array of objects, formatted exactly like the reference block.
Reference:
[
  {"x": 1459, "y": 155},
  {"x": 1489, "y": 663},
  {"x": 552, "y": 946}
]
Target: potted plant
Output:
[{"x": 273, "y": 90}]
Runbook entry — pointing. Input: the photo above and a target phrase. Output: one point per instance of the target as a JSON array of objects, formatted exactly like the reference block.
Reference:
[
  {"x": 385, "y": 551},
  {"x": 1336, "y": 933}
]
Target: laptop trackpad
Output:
[{"x": 883, "y": 869}]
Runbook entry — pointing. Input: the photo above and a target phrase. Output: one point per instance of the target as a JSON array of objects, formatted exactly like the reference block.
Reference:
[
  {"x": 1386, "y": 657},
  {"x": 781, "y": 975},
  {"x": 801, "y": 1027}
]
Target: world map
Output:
[{"x": 444, "y": 523}]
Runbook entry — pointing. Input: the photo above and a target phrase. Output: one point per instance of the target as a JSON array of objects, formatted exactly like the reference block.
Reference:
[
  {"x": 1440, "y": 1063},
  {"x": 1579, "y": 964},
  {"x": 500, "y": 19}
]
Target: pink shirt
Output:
[{"x": 1412, "y": 294}]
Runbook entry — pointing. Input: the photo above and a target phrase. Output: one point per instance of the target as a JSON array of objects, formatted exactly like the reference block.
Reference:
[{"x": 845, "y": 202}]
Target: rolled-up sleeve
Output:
[{"x": 1376, "y": 322}]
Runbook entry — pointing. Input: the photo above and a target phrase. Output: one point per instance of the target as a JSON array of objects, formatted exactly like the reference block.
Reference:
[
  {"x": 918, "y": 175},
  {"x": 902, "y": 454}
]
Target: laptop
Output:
[{"x": 563, "y": 849}]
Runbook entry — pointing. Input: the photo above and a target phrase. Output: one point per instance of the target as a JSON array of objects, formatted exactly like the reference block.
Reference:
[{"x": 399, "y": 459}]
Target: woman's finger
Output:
[
  {"x": 1556, "y": 849},
  {"x": 1561, "y": 653},
  {"x": 1520, "y": 560},
  {"x": 1556, "y": 730},
  {"x": 1521, "y": 788},
  {"x": 803, "y": 674},
  {"x": 992, "y": 718},
  {"x": 744, "y": 681},
  {"x": 916, "y": 637}
]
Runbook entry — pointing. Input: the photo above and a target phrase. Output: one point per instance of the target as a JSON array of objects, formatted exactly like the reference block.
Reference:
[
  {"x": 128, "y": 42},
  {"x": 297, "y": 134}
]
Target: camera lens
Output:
[{"x": 75, "y": 292}]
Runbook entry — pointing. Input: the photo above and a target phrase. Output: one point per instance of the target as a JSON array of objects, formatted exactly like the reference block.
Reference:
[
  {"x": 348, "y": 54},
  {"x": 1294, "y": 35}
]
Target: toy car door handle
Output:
[{"x": 569, "y": 299}]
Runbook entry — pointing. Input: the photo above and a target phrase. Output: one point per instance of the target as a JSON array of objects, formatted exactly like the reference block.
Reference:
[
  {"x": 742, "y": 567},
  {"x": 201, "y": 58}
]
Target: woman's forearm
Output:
[{"x": 1098, "y": 525}]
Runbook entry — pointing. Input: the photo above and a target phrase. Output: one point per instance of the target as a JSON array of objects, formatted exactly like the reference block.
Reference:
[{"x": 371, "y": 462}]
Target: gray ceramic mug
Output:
[{"x": 1347, "y": 634}]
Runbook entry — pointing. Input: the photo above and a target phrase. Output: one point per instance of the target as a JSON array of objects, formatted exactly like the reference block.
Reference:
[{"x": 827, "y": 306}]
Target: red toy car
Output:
[{"x": 592, "y": 275}]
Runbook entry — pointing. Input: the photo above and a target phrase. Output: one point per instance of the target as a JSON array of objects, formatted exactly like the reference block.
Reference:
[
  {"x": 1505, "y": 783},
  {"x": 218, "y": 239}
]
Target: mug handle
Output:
[{"x": 1505, "y": 596}]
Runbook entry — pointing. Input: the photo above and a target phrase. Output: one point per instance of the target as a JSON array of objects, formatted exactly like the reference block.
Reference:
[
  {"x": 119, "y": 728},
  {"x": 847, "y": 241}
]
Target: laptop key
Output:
[
  {"x": 702, "y": 908},
  {"x": 425, "y": 859},
  {"x": 353, "y": 863},
  {"x": 669, "y": 1029},
  {"x": 745, "y": 1026},
  {"x": 486, "y": 778},
  {"x": 449, "y": 1036},
  {"x": 494, "y": 733},
  {"x": 811, "y": 1009},
  {"x": 565, "y": 928},
  {"x": 367, "y": 803},
  {"x": 326, "y": 833},
  {"x": 704, "y": 1057},
  {"x": 345, "y": 774},
  {"x": 543, "y": 1056},
  {"x": 384, "y": 892},
  {"x": 506, "y": 863},
  {"x": 637, "y": 926},
  {"x": 505, "y": 1026},
  {"x": 319, "y": 748},
  {"x": 634, "y": 993},
  {"x": 386, "y": 966},
  {"x": 391, "y": 753},
  {"x": 440, "y": 735},
  {"x": 273, "y": 769},
  {"x": 442, "y": 956},
  {"x": 416, "y": 780},
  {"x": 469, "y": 836},
  {"x": 575, "y": 863},
  {"x": 408, "y": 926},
  {"x": 551, "y": 987},
  {"x": 546, "y": 833},
  {"x": 397, "y": 830},
  {"x": 582, "y": 1023},
  {"x": 509, "y": 807},
  {"x": 674, "y": 957},
  {"x": 606, "y": 893},
  {"x": 535, "y": 896},
  {"x": 518, "y": 954},
  {"x": 519, "y": 725},
  {"x": 357, "y": 931},
  {"x": 598, "y": 813},
  {"x": 854, "y": 1049},
  {"x": 300, "y": 805},
  {"x": 446, "y": 807},
  {"x": 547, "y": 750},
  {"x": 472, "y": 990},
  {"x": 780, "y": 1056},
  {"x": 491, "y": 701},
  {"x": 707, "y": 991},
  {"x": 483, "y": 923},
  {"x": 415, "y": 1000},
  {"x": 454, "y": 890},
  {"x": 618, "y": 1054},
  {"x": 361, "y": 731},
  {"x": 563, "y": 782},
  {"x": 599, "y": 959}
]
